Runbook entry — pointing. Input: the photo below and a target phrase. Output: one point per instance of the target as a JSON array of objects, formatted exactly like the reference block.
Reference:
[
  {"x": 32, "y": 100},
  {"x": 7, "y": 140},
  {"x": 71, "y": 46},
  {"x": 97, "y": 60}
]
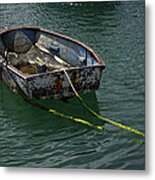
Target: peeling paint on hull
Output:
[{"x": 54, "y": 85}]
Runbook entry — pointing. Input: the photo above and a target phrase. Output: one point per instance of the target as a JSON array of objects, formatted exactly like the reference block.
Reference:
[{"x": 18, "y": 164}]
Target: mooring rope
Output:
[
  {"x": 77, "y": 119},
  {"x": 62, "y": 115},
  {"x": 118, "y": 124}
]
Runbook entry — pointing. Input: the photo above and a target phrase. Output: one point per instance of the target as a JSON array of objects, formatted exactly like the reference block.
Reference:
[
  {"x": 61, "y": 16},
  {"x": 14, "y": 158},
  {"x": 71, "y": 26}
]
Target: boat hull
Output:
[{"x": 53, "y": 85}]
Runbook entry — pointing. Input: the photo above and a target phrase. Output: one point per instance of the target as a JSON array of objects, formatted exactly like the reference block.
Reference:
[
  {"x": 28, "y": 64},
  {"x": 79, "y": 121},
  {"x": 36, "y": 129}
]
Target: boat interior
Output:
[{"x": 33, "y": 51}]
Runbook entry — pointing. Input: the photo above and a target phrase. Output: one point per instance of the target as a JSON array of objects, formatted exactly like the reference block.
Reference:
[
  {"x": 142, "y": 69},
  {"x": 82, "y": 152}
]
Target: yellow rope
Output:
[
  {"x": 99, "y": 116},
  {"x": 82, "y": 121},
  {"x": 62, "y": 115},
  {"x": 75, "y": 119},
  {"x": 79, "y": 120}
]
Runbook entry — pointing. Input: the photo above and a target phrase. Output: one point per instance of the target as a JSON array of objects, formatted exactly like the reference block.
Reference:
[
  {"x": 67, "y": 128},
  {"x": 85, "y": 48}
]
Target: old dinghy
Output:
[{"x": 33, "y": 60}]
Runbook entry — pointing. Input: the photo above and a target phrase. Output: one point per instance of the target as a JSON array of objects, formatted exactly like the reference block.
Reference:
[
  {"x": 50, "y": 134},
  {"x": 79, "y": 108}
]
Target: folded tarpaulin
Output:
[{"x": 19, "y": 41}]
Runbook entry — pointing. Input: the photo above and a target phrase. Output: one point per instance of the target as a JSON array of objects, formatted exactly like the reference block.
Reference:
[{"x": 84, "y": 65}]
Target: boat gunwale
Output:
[{"x": 29, "y": 76}]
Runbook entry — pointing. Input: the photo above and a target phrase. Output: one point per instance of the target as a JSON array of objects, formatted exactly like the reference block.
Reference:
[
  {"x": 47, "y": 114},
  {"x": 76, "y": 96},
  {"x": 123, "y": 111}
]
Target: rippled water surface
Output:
[{"x": 30, "y": 137}]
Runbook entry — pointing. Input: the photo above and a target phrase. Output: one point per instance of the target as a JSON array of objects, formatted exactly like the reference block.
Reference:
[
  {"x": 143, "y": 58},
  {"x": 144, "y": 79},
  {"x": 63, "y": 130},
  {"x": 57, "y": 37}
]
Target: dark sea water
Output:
[{"x": 30, "y": 137}]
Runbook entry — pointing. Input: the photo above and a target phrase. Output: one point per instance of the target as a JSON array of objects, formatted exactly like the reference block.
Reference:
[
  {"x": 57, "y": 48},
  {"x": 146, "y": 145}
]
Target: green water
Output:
[{"x": 30, "y": 137}]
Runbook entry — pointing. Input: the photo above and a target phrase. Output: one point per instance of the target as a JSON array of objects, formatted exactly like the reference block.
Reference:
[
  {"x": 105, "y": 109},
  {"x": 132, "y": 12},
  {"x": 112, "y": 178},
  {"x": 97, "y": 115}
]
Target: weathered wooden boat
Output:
[{"x": 32, "y": 60}]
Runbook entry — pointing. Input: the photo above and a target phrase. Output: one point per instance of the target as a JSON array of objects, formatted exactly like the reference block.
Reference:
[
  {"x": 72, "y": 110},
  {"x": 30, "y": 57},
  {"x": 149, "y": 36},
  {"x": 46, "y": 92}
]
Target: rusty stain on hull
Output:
[{"x": 58, "y": 84}]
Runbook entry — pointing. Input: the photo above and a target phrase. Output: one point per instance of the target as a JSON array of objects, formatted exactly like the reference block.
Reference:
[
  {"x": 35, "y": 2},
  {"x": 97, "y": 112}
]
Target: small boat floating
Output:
[{"x": 33, "y": 60}]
